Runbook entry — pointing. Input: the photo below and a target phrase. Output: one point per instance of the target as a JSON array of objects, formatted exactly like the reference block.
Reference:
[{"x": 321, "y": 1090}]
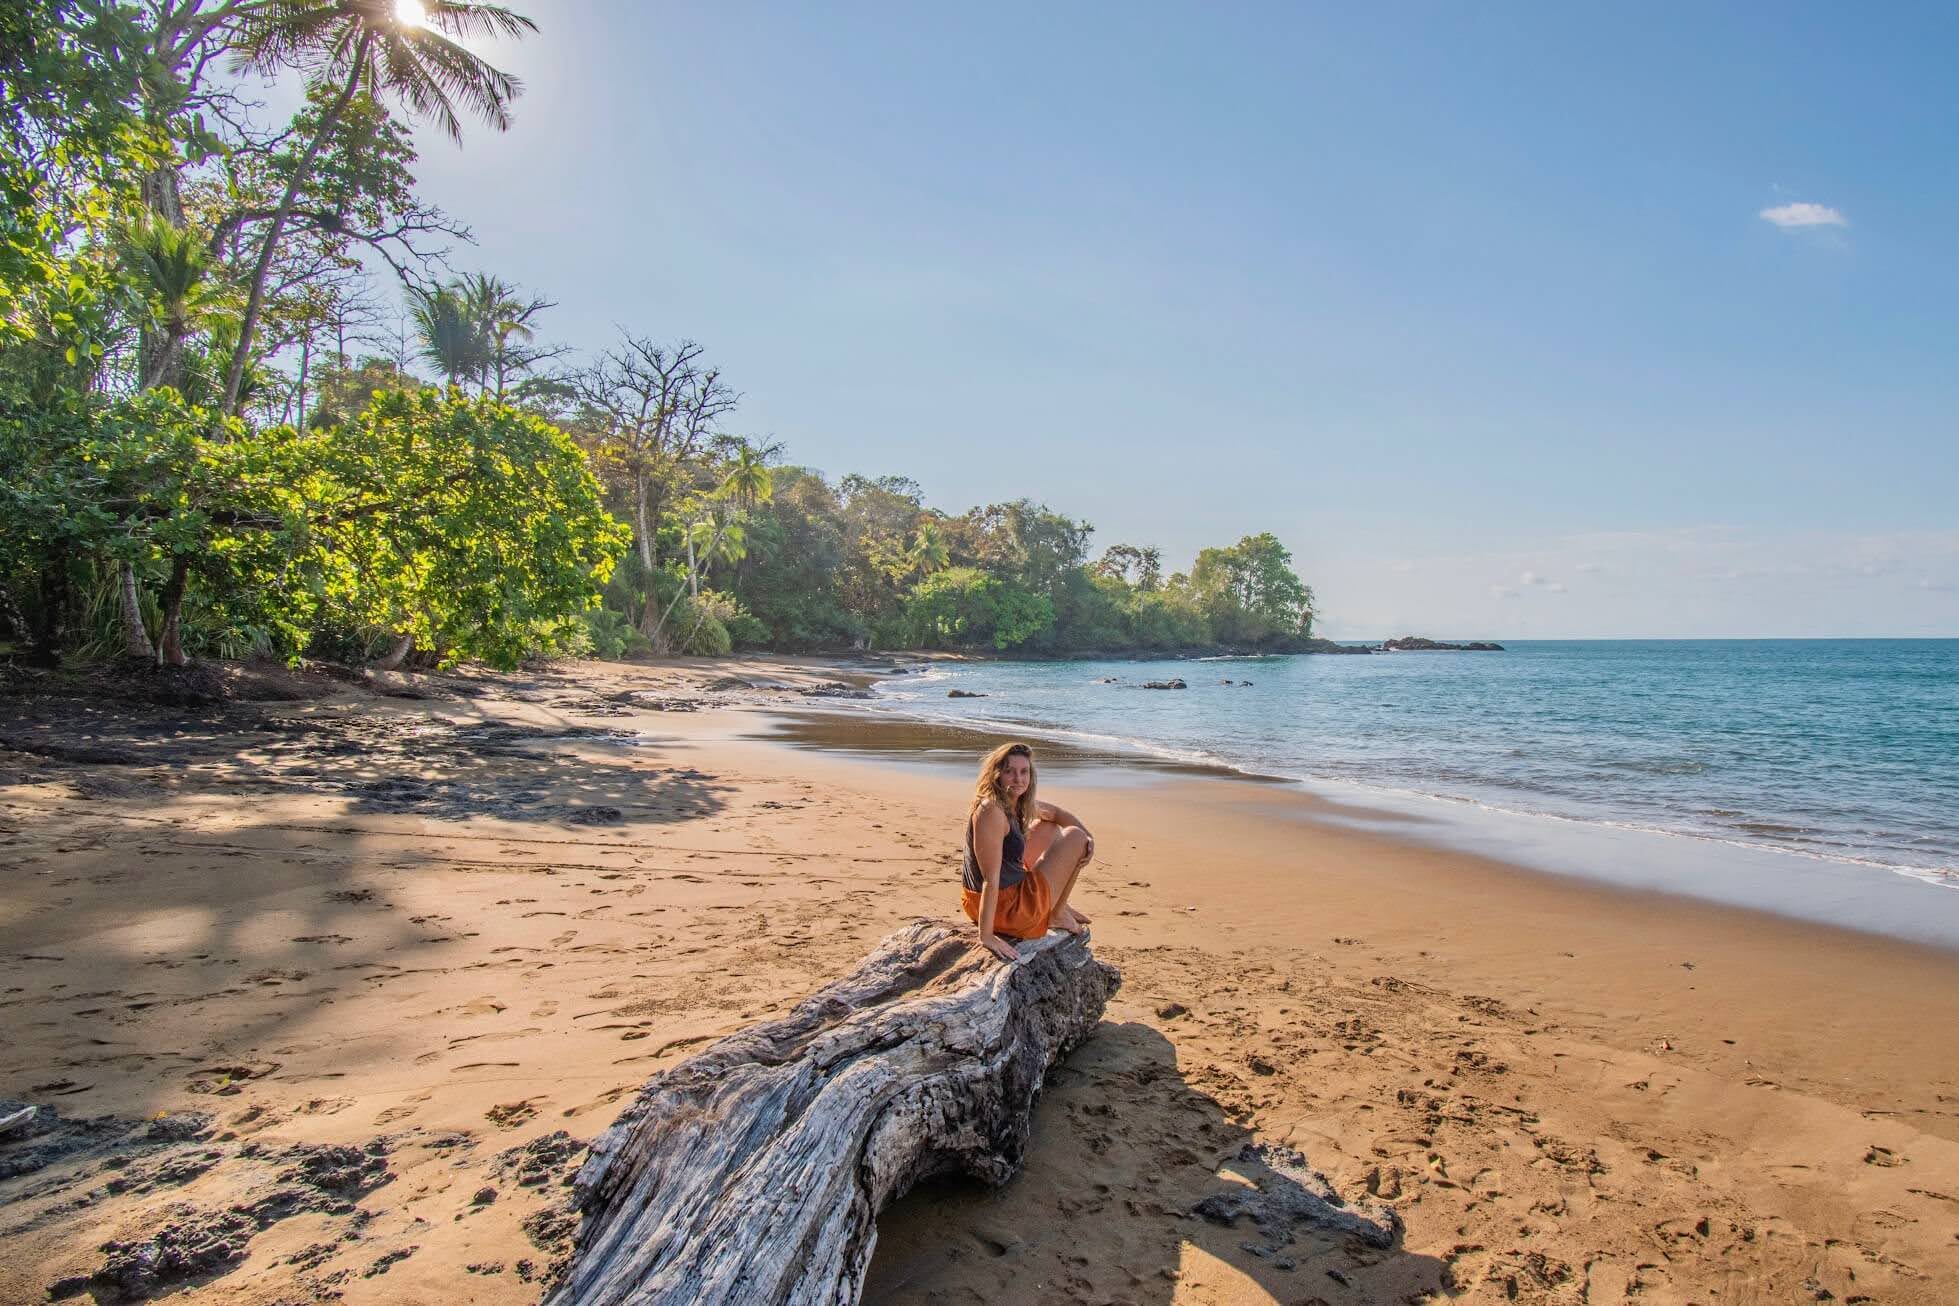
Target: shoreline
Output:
[
  {"x": 1911, "y": 904},
  {"x": 455, "y": 934}
]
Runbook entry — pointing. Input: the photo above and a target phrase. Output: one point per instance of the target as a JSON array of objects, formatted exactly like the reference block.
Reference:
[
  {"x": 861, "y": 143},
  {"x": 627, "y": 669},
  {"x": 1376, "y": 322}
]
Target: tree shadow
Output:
[
  {"x": 1139, "y": 1185},
  {"x": 393, "y": 761}
]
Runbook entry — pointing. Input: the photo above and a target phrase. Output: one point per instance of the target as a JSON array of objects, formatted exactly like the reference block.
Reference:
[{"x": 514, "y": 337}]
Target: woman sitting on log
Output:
[{"x": 1022, "y": 855}]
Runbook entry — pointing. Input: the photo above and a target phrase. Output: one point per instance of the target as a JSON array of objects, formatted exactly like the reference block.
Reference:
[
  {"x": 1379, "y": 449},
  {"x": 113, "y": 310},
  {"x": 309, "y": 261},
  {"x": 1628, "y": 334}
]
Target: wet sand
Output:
[{"x": 328, "y": 994}]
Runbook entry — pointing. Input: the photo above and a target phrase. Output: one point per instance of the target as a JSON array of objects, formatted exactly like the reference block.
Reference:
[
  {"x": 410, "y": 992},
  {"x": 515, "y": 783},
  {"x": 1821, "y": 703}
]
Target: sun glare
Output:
[{"x": 409, "y": 13}]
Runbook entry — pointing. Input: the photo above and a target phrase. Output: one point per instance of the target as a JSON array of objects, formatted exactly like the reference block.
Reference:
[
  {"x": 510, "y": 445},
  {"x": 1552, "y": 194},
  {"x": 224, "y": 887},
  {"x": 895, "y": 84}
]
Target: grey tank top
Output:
[{"x": 1012, "y": 849}]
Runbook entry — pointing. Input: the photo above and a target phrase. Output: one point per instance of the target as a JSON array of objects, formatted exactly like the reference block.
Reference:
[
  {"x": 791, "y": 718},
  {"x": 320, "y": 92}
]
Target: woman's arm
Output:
[
  {"x": 1047, "y": 811},
  {"x": 989, "y": 830}
]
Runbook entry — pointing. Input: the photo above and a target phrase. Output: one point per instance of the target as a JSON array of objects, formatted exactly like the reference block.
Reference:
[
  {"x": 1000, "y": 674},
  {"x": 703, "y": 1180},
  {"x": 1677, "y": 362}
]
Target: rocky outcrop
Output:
[{"x": 1416, "y": 644}]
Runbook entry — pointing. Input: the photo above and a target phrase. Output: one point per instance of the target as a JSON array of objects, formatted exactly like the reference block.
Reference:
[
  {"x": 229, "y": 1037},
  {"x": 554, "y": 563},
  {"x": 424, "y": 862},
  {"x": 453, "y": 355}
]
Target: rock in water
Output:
[{"x": 754, "y": 1171}]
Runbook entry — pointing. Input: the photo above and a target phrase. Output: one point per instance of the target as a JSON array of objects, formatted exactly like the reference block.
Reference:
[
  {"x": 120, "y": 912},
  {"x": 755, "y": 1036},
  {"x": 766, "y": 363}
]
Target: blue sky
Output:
[{"x": 1476, "y": 307}]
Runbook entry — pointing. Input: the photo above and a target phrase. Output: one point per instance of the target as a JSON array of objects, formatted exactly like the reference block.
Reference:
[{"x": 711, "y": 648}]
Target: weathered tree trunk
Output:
[
  {"x": 50, "y": 624},
  {"x": 305, "y": 357},
  {"x": 754, "y": 1172},
  {"x": 135, "y": 636},
  {"x": 394, "y": 657},
  {"x": 646, "y": 526},
  {"x": 171, "y": 641}
]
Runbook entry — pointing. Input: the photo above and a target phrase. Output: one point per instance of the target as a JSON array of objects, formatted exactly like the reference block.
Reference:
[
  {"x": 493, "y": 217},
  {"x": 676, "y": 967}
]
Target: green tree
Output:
[
  {"x": 507, "y": 323},
  {"x": 459, "y": 523},
  {"x": 928, "y": 552},
  {"x": 174, "y": 271},
  {"x": 649, "y": 411},
  {"x": 452, "y": 339},
  {"x": 963, "y": 607},
  {"x": 369, "y": 44},
  {"x": 1250, "y": 593}
]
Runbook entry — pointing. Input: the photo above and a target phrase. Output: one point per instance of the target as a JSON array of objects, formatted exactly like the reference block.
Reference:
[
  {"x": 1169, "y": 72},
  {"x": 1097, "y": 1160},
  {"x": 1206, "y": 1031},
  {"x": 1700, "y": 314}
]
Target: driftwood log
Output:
[{"x": 754, "y": 1172}]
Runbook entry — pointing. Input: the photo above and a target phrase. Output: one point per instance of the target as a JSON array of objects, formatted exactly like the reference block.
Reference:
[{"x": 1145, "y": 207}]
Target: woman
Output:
[{"x": 1022, "y": 855}]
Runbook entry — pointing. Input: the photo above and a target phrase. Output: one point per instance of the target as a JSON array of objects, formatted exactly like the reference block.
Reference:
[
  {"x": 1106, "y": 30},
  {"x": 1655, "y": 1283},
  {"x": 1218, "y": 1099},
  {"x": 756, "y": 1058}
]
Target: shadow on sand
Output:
[{"x": 1125, "y": 1155}]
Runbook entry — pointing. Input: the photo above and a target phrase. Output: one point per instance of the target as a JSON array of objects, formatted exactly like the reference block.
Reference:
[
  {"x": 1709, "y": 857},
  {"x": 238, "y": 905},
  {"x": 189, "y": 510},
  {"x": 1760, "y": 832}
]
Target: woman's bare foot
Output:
[
  {"x": 1078, "y": 916},
  {"x": 1066, "y": 918}
]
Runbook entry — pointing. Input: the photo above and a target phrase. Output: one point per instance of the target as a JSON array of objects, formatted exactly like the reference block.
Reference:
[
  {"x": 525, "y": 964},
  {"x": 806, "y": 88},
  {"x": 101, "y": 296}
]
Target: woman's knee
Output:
[{"x": 1069, "y": 842}]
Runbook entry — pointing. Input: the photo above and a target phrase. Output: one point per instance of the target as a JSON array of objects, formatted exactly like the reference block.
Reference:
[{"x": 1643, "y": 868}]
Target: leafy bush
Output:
[
  {"x": 612, "y": 635},
  {"x": 965, "y": 607}
]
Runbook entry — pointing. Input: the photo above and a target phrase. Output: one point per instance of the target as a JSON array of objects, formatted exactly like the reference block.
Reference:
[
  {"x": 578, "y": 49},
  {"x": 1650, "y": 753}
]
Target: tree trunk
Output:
[
  {"x": 255, "y": 301},
  {"x": 754, "y": 1172},
  {"x": 135, "y": 636},
  {"x": 167, "y": 358},
  {"x": 172, "y": 637},
  {"x": 394, "y": 657},
  {"x": 50, "y": 625},
  {"x": 650, "y": 617},
  {"x": 305, "y": 357}
]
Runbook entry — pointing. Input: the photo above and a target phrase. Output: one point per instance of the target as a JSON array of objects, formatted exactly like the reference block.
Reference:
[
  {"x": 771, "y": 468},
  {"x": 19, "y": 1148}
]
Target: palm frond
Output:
[{"x": 459, "y": 18}]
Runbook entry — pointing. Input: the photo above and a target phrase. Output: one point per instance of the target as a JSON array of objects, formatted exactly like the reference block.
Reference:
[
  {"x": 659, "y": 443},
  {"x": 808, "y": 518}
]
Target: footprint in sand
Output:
[
  {"x": 227, "y": 1080},
  {"x": 510, "y": 1114}
]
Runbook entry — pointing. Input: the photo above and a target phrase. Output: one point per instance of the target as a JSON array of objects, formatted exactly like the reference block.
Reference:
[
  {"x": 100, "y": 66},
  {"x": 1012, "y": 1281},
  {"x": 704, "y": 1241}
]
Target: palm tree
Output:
[
  {"x": 928, "y": 549},
  {"x": 710, "y": 540},
  {"x": 452, "y": 336},
  {"x": 749, "y": 481},
  {"x": 393, "y": 50},
  {"x": 173, "y": 268},
  {"x": 173, "y": 265},
  {"x": 501, "y": 318}
]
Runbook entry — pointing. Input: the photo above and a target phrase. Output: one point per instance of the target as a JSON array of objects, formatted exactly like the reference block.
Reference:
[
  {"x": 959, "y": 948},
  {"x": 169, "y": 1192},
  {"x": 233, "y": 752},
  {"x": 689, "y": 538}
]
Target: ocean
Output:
[{"x": 1835, "y": 751}]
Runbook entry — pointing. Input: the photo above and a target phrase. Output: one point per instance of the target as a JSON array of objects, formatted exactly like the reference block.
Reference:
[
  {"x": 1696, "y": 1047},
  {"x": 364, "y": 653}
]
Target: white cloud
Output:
[
  {"x": 1555, "y": 587},
  {"x": 1532, "y": 578},
  {"x": 1590, "y": 566},
  {"x": 1502, "y": 592},
  {"x": 1804, "y": 214}
]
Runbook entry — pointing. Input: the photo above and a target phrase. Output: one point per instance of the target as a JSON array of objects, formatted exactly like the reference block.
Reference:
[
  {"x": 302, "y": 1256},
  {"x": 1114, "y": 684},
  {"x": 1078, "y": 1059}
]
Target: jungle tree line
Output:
[{"x": 248, "y": 407}]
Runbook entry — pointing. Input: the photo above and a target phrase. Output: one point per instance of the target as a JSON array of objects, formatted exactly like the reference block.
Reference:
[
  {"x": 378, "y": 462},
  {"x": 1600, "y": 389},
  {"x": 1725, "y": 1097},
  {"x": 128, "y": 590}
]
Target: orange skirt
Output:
[{"x": 1022, "y": 911}]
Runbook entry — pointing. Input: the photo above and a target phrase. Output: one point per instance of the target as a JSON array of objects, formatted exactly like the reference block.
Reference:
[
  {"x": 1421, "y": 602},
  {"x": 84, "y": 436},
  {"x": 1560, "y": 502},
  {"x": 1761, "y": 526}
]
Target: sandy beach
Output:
[{"x": 329, "y": 993}]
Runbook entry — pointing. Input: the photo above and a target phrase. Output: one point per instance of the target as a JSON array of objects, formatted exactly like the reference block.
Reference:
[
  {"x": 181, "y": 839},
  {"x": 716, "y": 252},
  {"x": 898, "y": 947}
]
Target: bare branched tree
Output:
[{"x": 651, "y": 409}]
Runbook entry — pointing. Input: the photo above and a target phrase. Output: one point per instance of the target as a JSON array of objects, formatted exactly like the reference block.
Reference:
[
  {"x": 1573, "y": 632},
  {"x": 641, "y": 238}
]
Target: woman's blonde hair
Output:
[{"x": 993, "y": 782}]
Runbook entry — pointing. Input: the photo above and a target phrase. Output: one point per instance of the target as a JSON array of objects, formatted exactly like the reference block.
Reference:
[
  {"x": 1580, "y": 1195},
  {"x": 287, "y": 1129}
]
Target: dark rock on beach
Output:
[
  {"x": 194, "y": 1246},
  {"x": 1177, "y": 683},
  {"x": 962, "y": 693}
]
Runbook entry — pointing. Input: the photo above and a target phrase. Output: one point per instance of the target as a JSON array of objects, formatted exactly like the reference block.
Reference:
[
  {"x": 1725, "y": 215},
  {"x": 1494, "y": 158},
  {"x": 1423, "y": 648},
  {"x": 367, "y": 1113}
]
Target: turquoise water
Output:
[{"x": 1841, "y": 750}]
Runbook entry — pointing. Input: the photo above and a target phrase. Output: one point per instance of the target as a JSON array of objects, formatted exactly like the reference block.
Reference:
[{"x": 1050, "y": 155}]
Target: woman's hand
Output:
[
  {"x": 1088, "y": 851},
  {"x": 999, "y": 947}
]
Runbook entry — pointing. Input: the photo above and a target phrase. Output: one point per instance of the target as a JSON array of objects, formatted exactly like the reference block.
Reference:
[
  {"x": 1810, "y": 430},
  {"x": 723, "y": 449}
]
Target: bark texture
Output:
[{"x": 754, "y": 1172}]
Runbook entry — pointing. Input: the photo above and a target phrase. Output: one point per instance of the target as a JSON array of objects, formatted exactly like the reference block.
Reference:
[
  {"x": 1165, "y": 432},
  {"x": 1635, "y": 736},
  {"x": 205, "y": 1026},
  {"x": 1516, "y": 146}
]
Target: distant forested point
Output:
[{"x": 247, "y": 410}]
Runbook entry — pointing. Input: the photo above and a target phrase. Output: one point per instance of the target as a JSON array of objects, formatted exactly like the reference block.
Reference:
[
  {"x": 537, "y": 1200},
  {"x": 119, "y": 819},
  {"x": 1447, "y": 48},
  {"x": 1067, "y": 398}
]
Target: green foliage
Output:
[
  {"x": 71, "y": 145},
  {"x": 90, "y": 481},
  {"x": 462, "y": 521},
  {"x": 1250, "y": 593},
  {"x": 345, "y": 391},
  {"x": 963, "y": 607},
  {"x": 610, "y": 634},
  {"x": 160, "y": 268}
]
